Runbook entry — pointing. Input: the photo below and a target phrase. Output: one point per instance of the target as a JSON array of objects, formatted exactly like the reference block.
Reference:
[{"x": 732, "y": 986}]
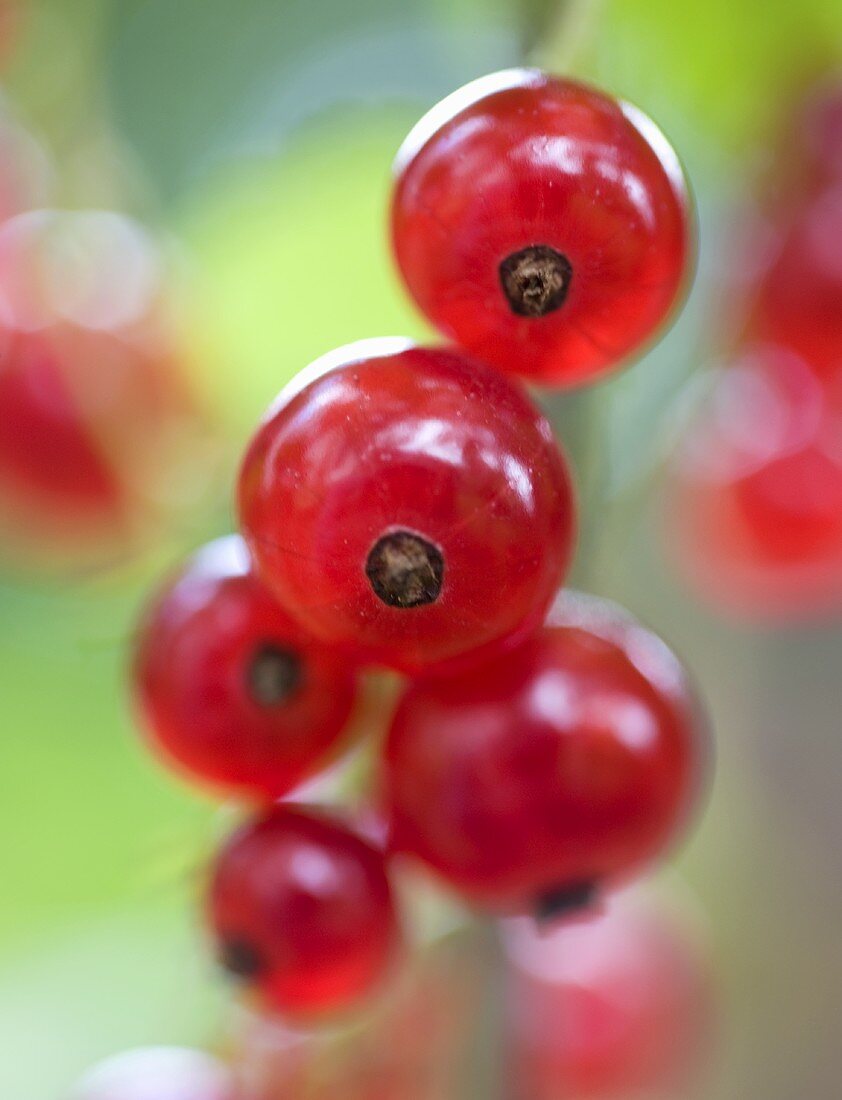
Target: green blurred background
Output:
[{"x": 256, "y": 136}]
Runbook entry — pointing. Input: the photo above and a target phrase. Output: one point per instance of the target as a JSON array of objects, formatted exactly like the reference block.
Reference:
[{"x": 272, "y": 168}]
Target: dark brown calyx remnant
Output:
[
  {"x": 535, "y": 280},
  {"x": 405, "y": 570},
  {"x": 274, "y": 674},
  {"x": 240, "y": 959},
  {"x": 564, "y": 900}
]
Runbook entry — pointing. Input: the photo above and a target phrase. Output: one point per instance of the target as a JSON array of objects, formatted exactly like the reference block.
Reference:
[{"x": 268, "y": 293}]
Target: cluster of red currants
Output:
[
  {"x": 756, "y": 500},
  {"x": 409, "y": 508}
]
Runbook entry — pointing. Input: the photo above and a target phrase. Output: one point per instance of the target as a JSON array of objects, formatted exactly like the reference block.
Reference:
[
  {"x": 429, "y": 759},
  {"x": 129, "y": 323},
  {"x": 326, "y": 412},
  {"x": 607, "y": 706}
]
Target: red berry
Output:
[
  {"x": 541, "y": 224},
  {"x": 410, "y": 1044},
  {"x": 95, "y": 423},
  {"x": 615, "y": 1005},
  {"x": 47, "y": 454},
  {"x": 798, "y": 301},
  {"x": 157, "y": 1073},
  {"x": 303, "y": 913},
  {"x": 409, "y": 502},
  {"x": 534, "y": 779},
  {"x": 754, "y": 506},
  {"x": 232, "y": 690}
]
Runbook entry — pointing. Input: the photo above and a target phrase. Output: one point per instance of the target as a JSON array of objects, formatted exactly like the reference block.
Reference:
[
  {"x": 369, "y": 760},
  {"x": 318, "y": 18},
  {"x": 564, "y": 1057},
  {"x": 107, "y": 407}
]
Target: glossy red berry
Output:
[
  {"x": 617, "y": 1004},
  {"x": 231, "y": 689},
  {"x": 798, "y": 298},
  {"x": 533, "y": 780},
  {"x": 157, "y": 1073},
  {"x": 541, "y": 224},
  {"x": 302, "y": 912},
  {"x": 409, "y": 502},
  {"x": 754, "y": 501}
]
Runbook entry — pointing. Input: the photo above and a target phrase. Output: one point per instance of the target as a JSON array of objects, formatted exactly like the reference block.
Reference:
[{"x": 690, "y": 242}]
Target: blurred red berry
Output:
[
  {"x": 413, "y": 1043},
  {"x": 231, "y": 689},
  {"x": 541, "y": 224},
  {"x": 408, "y": 502},
  {"x": 797, "y": 302},
  {"x": 616, "y": 1004},
  {"x": 302, "y": 912},
  {"x": 96, "y": 425},
  {"x": 754, "y": 501},
  {"x": 539, "y": 777},
  {"x": 157, "y": 1073}
]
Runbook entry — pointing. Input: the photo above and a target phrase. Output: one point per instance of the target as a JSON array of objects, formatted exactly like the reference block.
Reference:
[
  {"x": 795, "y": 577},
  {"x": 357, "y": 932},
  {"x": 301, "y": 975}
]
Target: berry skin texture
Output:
[
  {"x": 157, "y": 1073},
  {"x": 409, "y": 502},
  {"x": 553, "y": 770},
  {"x": 302, "y": 912},
  {"x": 753, "y": 505},
  {"x": 232, "y": 690},
  {"x": 616, "y": 1004},
  {"x": 542, "y": 225}
]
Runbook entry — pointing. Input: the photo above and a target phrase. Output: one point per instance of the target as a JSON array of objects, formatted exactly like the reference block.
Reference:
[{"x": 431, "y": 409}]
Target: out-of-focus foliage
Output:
[
  {"x": 725, "y": 65},
  {"x": 290, "y": 259},
  {"x": 198, "y": 81}
]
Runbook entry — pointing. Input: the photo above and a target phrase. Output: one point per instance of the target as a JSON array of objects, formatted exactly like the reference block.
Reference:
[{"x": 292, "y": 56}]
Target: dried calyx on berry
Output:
[
  {"x": 536, "y": 280},
  {"x": 405, "y": 569},
  {"x": 274, "y": 674},
  {"x": 562, "y": 901}
]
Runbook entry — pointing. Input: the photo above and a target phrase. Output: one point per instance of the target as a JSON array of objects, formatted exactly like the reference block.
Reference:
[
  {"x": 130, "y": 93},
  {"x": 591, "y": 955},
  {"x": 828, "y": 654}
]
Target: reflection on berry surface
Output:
[
  {"x": 553, "y": 769},
  {"x": 302, "y": 912},
  {"x": 541, "y": 224},
  {"x": 230, "y": 687},
  {"x": 408, "y": 502}
]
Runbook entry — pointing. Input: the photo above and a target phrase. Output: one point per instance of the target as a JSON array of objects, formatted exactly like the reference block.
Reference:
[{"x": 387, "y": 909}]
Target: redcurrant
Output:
[
  {"x": 232, "y": 689},
  {"x": 95, "y": 424},
  {"x": 303, "y": 912},
  {"x": 541, "y": 224},
  {"x": 45, "y": 451},
  {"x": 409, "y": 502},
  {"x": 798, "y": 301},
  {"x": 157, "y": 1073},
  {"x": 615, "y": 1005},
  {"x": 552, "y": 770},
  {"x": 409, "y": 1045},
  {"x": 754, "y": 504}
]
